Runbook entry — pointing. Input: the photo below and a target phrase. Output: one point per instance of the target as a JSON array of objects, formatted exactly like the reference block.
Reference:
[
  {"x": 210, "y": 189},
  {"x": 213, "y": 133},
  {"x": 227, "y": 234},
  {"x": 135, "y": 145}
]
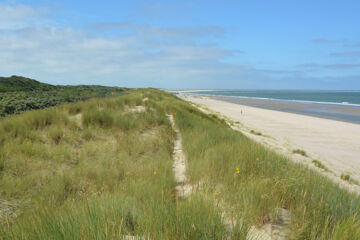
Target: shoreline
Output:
[
  {"x": 188, "y": 91},
  {"x": 331, "y": 142},
  {"x": 341, "y": 112},
  {"x": 343, "y": 104}
]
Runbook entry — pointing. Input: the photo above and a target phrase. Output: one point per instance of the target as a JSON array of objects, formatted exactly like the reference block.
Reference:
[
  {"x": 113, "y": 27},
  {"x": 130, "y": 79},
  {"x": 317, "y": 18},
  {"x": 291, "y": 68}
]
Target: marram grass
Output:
[{"x": 98, "y": 170}]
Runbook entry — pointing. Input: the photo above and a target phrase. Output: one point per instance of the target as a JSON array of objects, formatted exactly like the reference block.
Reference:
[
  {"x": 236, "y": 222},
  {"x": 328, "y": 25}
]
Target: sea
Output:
[{"x": 337, "y": 105}]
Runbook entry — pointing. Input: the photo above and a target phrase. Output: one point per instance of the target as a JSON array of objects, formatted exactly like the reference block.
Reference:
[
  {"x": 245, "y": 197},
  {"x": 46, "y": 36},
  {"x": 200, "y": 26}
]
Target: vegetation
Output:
[
  {"x": 256, "y": 133},
  {"x": 345, "y": 177},
  {"x": 98, "y": 170},
  {"x": 19, "y": 94},
  {"x": 319, "y": 164},
  {"x": 301, "y": 152},
  {"x": 18, "y": 83}
]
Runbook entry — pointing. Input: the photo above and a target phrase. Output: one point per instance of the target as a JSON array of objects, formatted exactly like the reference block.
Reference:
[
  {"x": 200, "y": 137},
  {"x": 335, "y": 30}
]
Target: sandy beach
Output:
[
  {"x": 334, "y": 143},
  {"x": 188, "y": 90}
]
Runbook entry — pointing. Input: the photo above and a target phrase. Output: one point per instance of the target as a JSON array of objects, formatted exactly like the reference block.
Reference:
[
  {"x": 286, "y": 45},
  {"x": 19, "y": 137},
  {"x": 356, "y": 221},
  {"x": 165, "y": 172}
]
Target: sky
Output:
[{"x": 188, "y": 44}]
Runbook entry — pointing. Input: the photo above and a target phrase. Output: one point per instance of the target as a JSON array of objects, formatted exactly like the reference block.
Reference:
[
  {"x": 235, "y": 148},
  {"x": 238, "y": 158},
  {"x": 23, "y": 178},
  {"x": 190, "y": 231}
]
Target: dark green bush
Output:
[{"x": 21, "y": 101}]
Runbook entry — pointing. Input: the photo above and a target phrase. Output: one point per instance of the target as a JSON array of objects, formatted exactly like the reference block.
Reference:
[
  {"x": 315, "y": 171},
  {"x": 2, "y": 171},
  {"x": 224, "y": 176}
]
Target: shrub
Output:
[{"x": 24, "y": 99}]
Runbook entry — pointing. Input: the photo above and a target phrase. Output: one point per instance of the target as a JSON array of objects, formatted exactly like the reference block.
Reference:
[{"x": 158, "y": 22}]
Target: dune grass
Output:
[
  {"x": 345, "y": 177},
  {"x": 319, "y": 164},
  {"x": 267, "y": 181},
  {"x": 256, "y": 132},
  {"x": 86, "y": 171},
  {"x": 300, "y": 152}
]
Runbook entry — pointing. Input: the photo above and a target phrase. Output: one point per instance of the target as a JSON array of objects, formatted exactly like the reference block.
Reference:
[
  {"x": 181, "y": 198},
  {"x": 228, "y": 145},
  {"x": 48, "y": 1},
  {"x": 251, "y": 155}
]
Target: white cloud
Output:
[
  {"x": 19, "y": 16},
  {"x": 68, "y": 56}
]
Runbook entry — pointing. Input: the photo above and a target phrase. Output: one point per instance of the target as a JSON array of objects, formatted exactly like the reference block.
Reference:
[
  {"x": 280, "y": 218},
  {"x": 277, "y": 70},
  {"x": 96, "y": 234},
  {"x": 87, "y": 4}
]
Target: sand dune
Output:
[{"x": 334, "y": 143}]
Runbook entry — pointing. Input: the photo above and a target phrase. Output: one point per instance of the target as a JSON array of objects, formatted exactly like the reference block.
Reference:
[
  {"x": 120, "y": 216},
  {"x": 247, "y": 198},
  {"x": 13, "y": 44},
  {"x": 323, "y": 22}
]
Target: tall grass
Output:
[
  {"x": 86, "y": 171},
  {"x": 266, "y": 181}
]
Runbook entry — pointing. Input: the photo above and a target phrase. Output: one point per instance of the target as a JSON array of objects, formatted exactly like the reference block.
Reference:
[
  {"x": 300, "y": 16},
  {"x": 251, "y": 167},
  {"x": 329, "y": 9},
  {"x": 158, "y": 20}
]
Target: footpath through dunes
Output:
[
  {"x": 277, "y": 230},
  {"x": 183, "y": 188}
]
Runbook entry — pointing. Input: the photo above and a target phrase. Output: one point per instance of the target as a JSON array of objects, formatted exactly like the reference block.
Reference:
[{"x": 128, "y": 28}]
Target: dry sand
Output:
[
  {"x": 188, "y": 91},
  {"x": 336, "y": 144}
]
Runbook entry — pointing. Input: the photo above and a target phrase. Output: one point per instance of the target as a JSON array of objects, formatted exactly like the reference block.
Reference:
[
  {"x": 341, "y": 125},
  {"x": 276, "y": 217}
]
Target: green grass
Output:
[
  {"x": 92, "y": 177},
  {"x": 300, "y": 152},
  {"x": 319, "y": 208},
  {"x": 86, "y": 171}
]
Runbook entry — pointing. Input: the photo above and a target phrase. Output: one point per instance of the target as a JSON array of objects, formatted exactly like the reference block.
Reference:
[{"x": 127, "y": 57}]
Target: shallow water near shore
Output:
[
  {"x": 327, "y": 104},
  {"x": 317, "y": 96}
]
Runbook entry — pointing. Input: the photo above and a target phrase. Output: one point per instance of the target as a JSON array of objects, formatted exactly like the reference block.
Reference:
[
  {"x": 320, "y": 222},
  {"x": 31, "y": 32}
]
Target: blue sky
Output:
[{"x": 184, "y": 44}]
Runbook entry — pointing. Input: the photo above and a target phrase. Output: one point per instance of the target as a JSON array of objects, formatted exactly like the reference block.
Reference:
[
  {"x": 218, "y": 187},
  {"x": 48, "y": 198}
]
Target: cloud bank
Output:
[{"x": 138, "y": 55}]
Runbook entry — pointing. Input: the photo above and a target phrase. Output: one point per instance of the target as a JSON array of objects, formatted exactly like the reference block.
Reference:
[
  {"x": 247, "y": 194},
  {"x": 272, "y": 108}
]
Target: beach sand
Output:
[{"x": 336, "y": 144}]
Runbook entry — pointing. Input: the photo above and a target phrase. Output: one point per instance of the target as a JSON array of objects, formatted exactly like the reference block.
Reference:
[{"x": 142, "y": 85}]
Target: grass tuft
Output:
[
  {"x": 300, "y": 152},
  {"x": 256, "y": 133},
  {"x": 95, "y": 117},
  {"x": 56, "y": 134},
  {"x": 319, "y": 164},
  {"x": 345, "y": 177}
]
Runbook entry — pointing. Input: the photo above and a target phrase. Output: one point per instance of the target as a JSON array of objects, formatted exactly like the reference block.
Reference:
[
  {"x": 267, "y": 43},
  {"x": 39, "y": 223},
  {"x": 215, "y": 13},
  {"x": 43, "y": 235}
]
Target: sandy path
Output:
[
  {"x": 334, "y": 143},
  {"x": 183, "y": 189}
]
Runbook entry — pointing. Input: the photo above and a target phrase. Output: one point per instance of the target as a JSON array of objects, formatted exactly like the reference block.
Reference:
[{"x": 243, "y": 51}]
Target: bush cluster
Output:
[{"x": 20, "y": 101}]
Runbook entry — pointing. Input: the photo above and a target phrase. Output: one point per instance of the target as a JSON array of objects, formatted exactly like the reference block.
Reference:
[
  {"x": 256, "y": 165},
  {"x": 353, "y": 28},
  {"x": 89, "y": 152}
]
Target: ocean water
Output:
[
  {"x": 337, "y": 105},
  {"x": 331, "y": 97}
]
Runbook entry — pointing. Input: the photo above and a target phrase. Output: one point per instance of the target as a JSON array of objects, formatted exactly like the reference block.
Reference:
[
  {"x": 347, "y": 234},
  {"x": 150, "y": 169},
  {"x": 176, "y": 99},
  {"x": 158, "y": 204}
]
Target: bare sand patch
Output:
[
  {"x": 135, "y": 109},
  {"x": 77, "y": 119}
]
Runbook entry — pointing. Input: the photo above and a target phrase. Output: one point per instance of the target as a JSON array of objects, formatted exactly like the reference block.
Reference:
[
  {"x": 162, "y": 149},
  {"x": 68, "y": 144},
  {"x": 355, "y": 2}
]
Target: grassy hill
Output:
[
  {"x": 102, "y": 169},
  {"x": 20, "y": 94},
  {"x": 18, "y": 83}
]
